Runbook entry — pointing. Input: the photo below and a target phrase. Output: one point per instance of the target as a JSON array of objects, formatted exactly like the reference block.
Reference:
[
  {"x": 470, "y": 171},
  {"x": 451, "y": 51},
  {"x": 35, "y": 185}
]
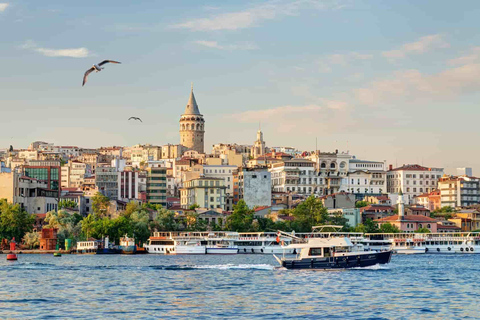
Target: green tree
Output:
[
  {"x": 165, "y": 221},
  {"x": 67, "y": 204},
  {"x": 241, "y": 219},
  {"x": 309, "y": 213},
  {"x": 88, "y": 225},
  {"x": 389, "y": 228},
  {"x": 100, "y": 204},
  {"x": 193, "y": 206},
  {"x": 14, "y": 221},
  {"x": 369, "y": 226},
  {"x": 422, "y": 230},
  {"x": 66, "y": 224},
  {"x": 361, "y": 204},
  {"x": 31, "y": 240}
]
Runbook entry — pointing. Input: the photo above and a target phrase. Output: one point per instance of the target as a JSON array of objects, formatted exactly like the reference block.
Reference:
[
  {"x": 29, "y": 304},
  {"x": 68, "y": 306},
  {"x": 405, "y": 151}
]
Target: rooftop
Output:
[{"x": 412, "y": 218}]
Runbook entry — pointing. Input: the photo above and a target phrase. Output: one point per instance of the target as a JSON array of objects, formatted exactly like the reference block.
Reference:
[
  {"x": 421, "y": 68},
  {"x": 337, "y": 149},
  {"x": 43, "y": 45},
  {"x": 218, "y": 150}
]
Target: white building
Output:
[
  {"x": 106, "y": 180},
  {"x": 255, "y": 187},
  {"x": 225, "y": 172},
  {"x": 297, "y": 176},
  {"x": 128, "y": 185},
  {"x": 459, "y": 191},
  {"x": 413, "y": 180},
  {"x": 365, "y": 177}
]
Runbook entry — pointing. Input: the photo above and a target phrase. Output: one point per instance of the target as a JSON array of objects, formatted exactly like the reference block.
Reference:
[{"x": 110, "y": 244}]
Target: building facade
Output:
[
  {"x": 365, "y": 178},
  {"x": 128, "y": 185},
  {"x": 254, "y": 187},
  {"x": 459, "y": 191},
  {"x": 192, "y": 126},
  {"x": 206, "y": 192},
  {"x": 157, "y": 185},
  {"x": 106, "y": 181}
]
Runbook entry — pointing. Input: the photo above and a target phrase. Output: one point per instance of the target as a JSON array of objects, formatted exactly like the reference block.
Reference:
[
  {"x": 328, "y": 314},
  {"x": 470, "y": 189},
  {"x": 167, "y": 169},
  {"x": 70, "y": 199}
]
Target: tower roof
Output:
[{"x": 192, "y": 107}]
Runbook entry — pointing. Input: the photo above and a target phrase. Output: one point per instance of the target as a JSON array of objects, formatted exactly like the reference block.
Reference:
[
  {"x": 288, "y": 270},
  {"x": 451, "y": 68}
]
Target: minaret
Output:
[
  {"x": 192, "y": 126},
  {"x": 401, "y": 206},
  {"x": 259, "y": 145}
]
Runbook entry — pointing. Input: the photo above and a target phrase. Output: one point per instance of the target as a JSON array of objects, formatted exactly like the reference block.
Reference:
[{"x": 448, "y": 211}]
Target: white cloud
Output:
[
  {"x": 253, "y": 16},
  {"x": 472, "y": 57},
  {"x": 424, "y": 44},
  {"x": 216, "y": 45},
  {"x": 3, "y": 6},
  {"x": 414, "y": 86},
  {"x": 342, "y": 59},
  {"x": 71, "y": 52}
]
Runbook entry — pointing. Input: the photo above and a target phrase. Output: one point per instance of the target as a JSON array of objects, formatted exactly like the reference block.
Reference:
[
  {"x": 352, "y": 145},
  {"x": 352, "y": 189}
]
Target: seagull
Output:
[
  {"x": 97, "y": 68},
  {"x": 135, "y": 118}
]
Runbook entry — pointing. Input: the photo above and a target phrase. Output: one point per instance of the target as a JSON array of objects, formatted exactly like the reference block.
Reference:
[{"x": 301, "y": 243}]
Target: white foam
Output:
[
  {"x": 233, "y": 266},
  {"x": 374, "y": 267}
]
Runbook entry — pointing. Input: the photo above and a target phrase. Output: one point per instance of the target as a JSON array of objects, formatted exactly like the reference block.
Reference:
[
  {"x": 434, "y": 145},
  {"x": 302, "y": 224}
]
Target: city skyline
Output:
[{"x": 386, "y": 85}]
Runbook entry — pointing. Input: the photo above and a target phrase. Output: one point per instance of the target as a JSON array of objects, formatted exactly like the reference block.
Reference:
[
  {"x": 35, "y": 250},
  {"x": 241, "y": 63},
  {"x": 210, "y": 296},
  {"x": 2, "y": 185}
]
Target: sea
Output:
[{"x": 235, "y": 287}]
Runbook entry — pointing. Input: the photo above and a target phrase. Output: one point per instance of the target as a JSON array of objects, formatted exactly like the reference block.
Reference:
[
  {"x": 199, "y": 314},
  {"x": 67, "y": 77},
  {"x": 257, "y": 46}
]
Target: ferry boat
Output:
[
  {"x": 127, "y": 245},
  {"x": 105, "y": 247},
  {"x": 160, "y": 243},
  {"x": 87, "y": 247},
  {"x": 190, "y": 243},
  {"x": 263, "y": 243},
  {"x": 333, "y": 252},
  {"x": 399, "y": 243},
  {"x": 462, "y": 242},
  {"x": 222, "y": 243}
]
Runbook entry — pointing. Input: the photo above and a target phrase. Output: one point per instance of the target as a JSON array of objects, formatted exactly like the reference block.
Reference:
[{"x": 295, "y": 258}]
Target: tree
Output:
[
  {"x": 361, "y": 204},
  {"x": 14, "y": 221},
  {"x": 100, "y": 204},
  {"x": 241, "y": 219},
  {"x": 389, "y": 228},
  {"x": 309, "y": 213},
  {"x": 31, "y": 240},
  {"x": 66, "y": 224},
  {"x": 422, "y": 230},
  {"x": 88, "y": 225},
  {"x": 369, "y": 226},
  {"x": 69, "y": 204},
  {"x": 165, "y": 221},
  {"x": 193, "y": 206}
]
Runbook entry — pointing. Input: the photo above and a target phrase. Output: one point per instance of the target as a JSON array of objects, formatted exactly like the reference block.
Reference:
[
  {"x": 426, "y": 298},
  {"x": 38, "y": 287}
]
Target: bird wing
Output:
[
  {"x": 131, "y": 118},
  {"x": 139, "y": 119},
  {"x": 86, "y": 75},
  {"x": 107, "y": 61}
]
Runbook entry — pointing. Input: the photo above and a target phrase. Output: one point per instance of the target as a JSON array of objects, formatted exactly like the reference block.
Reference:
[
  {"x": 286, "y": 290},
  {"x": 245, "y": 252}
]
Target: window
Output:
[{"x": 254, "y": 176}]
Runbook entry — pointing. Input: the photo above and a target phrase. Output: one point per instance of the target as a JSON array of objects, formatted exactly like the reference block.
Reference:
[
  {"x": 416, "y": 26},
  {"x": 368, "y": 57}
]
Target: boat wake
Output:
[
  {"x": 236, "y": 266},
  {"x": 374, "y": 267}
]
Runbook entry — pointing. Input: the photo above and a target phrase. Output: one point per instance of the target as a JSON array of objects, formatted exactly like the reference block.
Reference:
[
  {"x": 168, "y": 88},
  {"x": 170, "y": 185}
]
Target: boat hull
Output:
[
  {"x": 265, "y": 250},
  {"x": 183, "y": 250},
  {"x": 446, "y": 249},
  {"x": 341, "y": 262},
  {"x": 414, "y": 250},
  {"x": 222, "y": 250},
  {"x": 127, "y": 249}
]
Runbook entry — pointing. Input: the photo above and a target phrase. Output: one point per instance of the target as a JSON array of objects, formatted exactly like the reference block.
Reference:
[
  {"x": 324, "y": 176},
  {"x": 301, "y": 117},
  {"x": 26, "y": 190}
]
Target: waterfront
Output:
[{"x": 241, "y": 286}]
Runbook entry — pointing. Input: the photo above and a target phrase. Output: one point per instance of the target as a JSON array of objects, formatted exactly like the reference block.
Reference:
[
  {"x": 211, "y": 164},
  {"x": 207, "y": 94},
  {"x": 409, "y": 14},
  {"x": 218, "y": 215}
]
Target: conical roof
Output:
[{"x": 192, "y": 107}]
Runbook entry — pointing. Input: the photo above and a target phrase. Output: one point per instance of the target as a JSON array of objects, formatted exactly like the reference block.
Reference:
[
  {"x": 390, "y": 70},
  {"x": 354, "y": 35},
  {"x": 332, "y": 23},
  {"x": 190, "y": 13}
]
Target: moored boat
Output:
[
  {"x": 222, "y": 243},
  {"x": 160, "y": 243},
  {"x": 127, "y": 245}
]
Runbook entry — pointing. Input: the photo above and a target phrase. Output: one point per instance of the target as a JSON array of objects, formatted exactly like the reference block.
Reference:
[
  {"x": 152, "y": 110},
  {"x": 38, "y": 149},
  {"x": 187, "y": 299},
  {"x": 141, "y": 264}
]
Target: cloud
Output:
[
  {"x": 414, "y": 86},
  {"x": 424, "y": 44},
  {"x": 3, "y": 6},
  {"x": 216, "y": 45},
  {"x": 253, "y": 16},
  {"x": 342, "y": 59},
  {"x": 472, "y": 57},
  {"x": 72, "y": 52}
]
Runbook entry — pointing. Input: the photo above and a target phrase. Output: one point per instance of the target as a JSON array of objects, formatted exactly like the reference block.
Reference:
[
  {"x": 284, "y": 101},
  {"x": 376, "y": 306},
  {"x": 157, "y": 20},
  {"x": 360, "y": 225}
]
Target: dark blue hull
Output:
[
  {"x": 360, "y": 261},
  {"x": 128, "y": 249},
  {"x": 108, "y": 251}
]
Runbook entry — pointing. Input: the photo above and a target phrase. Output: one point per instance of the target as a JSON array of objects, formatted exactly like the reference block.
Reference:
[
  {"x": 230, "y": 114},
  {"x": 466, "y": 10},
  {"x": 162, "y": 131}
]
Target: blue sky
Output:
[{"x": 389, "y": 80}]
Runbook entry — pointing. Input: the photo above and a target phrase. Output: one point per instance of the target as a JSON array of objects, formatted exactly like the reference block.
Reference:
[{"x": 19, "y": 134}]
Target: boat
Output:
[
  {"x": 127, "y": 245},
  {"x": 87, "y": 247},
  {"x": 332, "y": 252},
  {"x": 263, "y": 243},
  {"x": 190, "y": 246},
  {"x": 160, "y": 243},
  {"x": 399, "y": 243},
  {"x": 448, "y": 243},
  {"x": 222, "y": 243},
  {"x": 105, "y": 247}
]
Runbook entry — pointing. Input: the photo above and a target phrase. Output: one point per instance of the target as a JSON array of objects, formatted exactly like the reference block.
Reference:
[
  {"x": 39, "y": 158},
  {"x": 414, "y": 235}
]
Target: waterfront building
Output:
[
  {"x": 365, "y": 178},
  {"x": 460, "y": 191},
  {"x": 254, "y": 186},
  {"x": 192, "y": 126},
  {"x": 339, "y": 200},
  {"x": 128, "y": 186},
  {"x": 431, "y": 200},
  {"x": 376, "y": 211},
  {"x": 206, "y": 192},
  {"x": 413, "y": 180},
  {"x": 297, "y": 176},
  {"x": 332, "y": 167},
  {"x": 106, "y": 180},
  {"x": 156, "y": 192},
  {"x": 352, "y": 215},
  {"x": 225, "y": 172},
  {"x": 469, "y": 217}
]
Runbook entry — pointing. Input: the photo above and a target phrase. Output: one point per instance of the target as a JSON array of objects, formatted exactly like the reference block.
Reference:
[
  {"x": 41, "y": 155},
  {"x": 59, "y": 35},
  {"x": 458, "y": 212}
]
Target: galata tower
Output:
[{"x": 192, "y": 126}]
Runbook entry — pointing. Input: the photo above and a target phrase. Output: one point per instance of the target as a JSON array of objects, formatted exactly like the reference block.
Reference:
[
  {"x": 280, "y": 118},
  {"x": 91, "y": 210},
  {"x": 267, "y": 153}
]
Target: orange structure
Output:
[{"x": 48, "y": 239}]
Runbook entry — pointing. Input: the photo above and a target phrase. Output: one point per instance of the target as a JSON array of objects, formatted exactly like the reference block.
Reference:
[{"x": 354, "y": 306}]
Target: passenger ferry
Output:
[
  {"x": 160, "y": 243},
  {"x": 222, "y": 243},
  {"x": 462, "y": 242},
  {"x": 127, "y": 245},
  {"x": 332, "y": 252},
  {"x": 263, "y": 243},
  {"x": 187, "y": 243},
  {"x": 399, "y": 243},
  {"x": 87, "y": 247}
]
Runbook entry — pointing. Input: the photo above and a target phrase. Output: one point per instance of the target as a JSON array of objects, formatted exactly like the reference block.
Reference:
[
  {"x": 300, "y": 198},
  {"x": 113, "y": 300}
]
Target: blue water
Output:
[{"x": 242, "y": 286}]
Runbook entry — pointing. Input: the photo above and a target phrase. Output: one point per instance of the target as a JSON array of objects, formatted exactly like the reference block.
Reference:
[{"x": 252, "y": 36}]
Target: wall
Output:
[{"x": 257, "y": 191}]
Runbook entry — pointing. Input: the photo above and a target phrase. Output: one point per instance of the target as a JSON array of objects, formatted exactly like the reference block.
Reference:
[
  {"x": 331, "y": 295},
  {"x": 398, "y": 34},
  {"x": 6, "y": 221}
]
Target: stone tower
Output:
[
  {"x": 192, "y": 126},
  {"x": 259, "y": 145}
]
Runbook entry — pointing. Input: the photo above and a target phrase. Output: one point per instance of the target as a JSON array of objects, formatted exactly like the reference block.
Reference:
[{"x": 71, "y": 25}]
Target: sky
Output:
[{"x": 386, "y": 80}]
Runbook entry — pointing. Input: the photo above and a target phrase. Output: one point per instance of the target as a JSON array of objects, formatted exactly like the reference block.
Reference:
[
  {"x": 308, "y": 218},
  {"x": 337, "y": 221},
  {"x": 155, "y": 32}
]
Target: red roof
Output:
[
  {"x": 441, "y": 226},
  {"x": 289, "y": 218},
  {"x": 41, "y": 215},
  {"x": 261, "y": 208},
  {"x": 408, "y": 218},
  {"x": 372, "y": 207},
  {"x": 411, "y": 167}
]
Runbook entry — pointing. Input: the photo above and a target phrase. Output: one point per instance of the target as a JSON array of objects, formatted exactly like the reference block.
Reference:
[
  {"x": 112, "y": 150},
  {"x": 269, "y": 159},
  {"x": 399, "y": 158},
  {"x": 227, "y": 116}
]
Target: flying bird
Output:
[
  {"x": 97, "y": 68},
  {"x": 135, "y": 118}
]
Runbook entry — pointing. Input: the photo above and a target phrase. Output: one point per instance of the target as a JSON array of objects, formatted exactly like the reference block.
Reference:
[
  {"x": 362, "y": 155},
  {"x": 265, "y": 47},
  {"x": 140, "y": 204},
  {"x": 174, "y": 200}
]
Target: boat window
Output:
[
  {"x": 315, "y": 252},
  {"x": 326, "y": 252}
]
